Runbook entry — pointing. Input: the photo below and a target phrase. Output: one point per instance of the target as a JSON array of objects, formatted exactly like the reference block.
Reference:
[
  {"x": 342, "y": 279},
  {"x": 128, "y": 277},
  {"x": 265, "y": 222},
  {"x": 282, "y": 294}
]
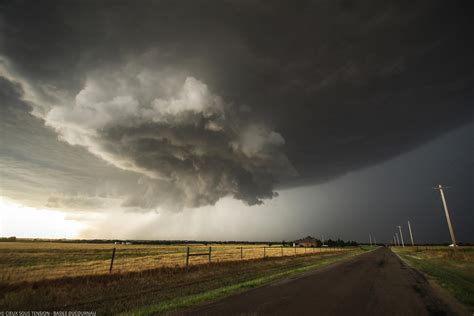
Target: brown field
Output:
[
  {"x": 35, "y": 261},
  {"x": 75, "y": 276}
]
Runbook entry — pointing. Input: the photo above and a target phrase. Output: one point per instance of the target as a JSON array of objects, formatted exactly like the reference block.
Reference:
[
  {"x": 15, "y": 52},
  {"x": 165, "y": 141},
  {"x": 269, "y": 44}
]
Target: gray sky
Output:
[{"x": 238, "y": 120}]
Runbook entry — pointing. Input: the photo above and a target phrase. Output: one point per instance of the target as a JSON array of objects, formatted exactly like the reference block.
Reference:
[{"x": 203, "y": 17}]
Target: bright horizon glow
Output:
[{"x": 29, "y": 222}]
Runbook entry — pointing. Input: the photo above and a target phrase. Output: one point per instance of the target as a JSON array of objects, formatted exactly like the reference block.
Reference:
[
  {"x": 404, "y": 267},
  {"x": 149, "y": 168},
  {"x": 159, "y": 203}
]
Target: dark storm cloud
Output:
[
  {"x": 287, "y": 93},
  {"x": 40, "y": 171}
]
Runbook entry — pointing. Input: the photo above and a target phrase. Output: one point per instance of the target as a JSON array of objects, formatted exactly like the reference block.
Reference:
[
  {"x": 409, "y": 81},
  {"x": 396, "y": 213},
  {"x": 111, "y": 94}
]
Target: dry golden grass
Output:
[
  {"x": 34, "y": 261},
  {"x": 121, "y": 292}
]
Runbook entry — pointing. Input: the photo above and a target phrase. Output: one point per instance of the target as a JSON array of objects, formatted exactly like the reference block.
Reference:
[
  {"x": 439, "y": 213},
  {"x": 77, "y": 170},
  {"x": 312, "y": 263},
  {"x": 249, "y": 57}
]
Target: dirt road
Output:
[{"x": 375, "y": 283}]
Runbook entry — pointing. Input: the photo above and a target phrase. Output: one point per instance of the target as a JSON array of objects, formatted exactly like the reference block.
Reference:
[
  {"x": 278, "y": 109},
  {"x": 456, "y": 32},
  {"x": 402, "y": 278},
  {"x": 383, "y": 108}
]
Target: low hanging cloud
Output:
[{"x": 191, "y": 146}]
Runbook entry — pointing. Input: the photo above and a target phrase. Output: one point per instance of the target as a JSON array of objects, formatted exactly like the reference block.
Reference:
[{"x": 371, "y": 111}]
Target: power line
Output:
[
  {"x": 401, "y": 235},
  {"x": 448, "y": 219},
  {"x": 411, "y": 235}
]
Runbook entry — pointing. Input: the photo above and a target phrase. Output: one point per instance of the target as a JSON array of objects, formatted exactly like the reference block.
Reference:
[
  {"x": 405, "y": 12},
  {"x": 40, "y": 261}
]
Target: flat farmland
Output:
[
  {"x": 36, "y": 261},
  {"x": 75, "y": 276}
]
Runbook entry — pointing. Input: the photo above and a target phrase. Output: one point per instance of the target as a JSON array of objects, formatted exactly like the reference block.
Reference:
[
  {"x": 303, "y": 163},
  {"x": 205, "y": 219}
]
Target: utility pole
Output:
[
  {"x": 370, "y": 240},
  {"x": 398, "y": 240},
  {"x": 401, "y": 235},
  {"x": 448, "y": 219},
  {"x": 411, "y": 235},
  {"x": 375, "y": 242},
  {"x": 394, "y": 241}
]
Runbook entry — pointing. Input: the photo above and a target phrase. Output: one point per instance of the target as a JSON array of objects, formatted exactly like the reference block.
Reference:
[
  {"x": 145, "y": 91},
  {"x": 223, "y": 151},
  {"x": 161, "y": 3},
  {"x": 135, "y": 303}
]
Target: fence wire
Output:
[{"x": 51, "y": 261}]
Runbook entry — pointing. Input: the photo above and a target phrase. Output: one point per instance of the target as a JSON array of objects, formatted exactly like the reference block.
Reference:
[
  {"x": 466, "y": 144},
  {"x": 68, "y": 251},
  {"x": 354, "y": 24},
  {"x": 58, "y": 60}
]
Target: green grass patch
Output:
[{"x": 452, "y": 271}]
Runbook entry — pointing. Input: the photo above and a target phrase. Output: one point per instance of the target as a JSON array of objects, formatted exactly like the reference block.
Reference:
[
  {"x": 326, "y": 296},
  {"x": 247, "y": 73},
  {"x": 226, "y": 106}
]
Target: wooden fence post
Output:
[
  {"x": 209, "y": 254},
  {"x": 112, "y": 260},
  {"x": 241, "y": 253},
  {"x": 304, "y": 249},
  {"x": 282, "y": 251},
  {"x": 187, "y": 256},
  {"x": 264, "y": 251}
]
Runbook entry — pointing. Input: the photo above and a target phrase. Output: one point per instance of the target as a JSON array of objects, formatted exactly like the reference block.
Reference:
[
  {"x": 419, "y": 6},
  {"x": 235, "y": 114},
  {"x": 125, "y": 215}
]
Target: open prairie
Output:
[
  {"x": 35, "y": 261},
  {"x": 67, "y": 276}
]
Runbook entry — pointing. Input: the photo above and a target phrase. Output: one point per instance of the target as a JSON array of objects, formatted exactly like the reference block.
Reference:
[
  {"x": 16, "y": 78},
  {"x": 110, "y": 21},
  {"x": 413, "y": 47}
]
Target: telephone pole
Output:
[
  {"x": 370, "y": 240},
  {"x": 394, "y": 241},
  {"x": 448, "y": 219},
  {"x": 398, "y": 240},
  {"x": 411, "y": 235},
  {"x": 401, "y": 235}
]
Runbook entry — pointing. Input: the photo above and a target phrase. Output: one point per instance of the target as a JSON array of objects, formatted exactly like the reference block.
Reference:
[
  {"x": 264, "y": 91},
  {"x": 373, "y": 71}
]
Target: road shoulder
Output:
[{"x": 437, "y": 290}]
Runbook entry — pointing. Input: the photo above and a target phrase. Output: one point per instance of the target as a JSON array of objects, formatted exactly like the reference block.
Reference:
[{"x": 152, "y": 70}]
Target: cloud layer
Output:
[
  {"x": 190, "y": 146},
  {"x": 200, "y": 100}
]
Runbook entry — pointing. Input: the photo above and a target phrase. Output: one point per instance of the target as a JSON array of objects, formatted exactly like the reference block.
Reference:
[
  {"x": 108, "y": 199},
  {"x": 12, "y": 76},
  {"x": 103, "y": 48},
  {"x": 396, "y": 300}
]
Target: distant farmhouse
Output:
[{"x": 306, "y": 242}]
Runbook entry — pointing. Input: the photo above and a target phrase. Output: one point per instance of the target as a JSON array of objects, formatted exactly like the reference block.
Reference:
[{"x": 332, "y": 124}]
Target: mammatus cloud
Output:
[{"x": 191, "y": 147}]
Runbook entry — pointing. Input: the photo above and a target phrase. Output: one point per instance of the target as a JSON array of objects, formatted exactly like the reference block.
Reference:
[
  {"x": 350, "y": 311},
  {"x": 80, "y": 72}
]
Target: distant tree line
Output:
[
  {"x": 149, "y": 242},
  {"x": 5, "y": 239},
  {"x": 318, "y": 243},
  {"x": 329, "y": 242}
]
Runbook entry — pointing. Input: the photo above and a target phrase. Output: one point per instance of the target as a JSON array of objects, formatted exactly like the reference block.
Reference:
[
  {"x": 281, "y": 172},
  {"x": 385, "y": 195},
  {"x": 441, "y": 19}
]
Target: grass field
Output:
[
  {"x": 34, "y": 261},
  {"x": 55, "y": 276},
  {"x": 453, "y": 271}
]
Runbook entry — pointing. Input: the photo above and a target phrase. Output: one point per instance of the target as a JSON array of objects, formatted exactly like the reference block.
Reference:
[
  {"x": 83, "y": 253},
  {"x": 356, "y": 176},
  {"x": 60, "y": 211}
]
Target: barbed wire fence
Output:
[{"x": 34, "y": 264}]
